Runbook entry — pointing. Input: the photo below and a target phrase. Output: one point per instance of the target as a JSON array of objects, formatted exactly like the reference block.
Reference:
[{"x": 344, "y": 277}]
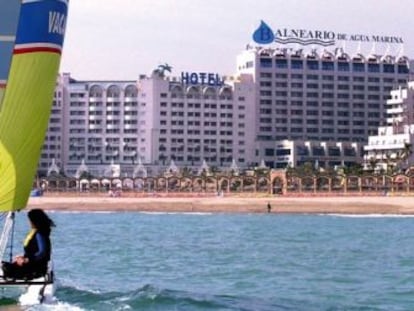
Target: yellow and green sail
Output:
[{"x": 28, "y": 95}]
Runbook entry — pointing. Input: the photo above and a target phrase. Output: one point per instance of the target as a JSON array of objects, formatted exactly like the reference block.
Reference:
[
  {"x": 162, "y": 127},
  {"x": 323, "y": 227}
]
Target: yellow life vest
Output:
[{"x": 29, "y": 236}]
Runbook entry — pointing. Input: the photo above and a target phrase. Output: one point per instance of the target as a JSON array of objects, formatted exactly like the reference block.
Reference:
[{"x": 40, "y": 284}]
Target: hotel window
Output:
[
  {"x": 374, "y": 88},
  {"x": 312, "y": 95},
  {"x": 373, "y": 79},
  {"x": 360, "y": 114},
  {"x": 283, "y": 152},
  {"x": 265, "y": 75},
  {"x": 327, "y": 122},
  {"x": 388, "y": 68},
  {"x": 266, "y": 62},
  {"x": 296, "y": 64},
  {"x": 358, "y": 67},
  {"x": 281, "y": 93},
  {"x": 281, "y": 84},
  {"x": 327, "y": 66},
  {"x": 281, "y": 63},
  {"x": 281, "y": 76},
  {"x": 358, "y": 87},
  {"x": 373, "y": 68},
  {"x": 312, "y": 112},
  {"x": 249, "y": 64},
  {"x": 296, "y": 94},
  {"x": 343, "y": 66},
  {"x": 296, "y": 85},
  {"x": 327, "y": 86},
  {"x": 318, "y": 151},
  {"x": 302, "y": 150},
  {"x": 402, "y": 69},
  {"x": 343, "y": 87},
  {"x": 312, "y": 85},
  {"x": 312, "y": 77},
  {"x": 358, "y": 96},
  {"x": 312, "y": 122},
  {"x": 312, "y": 104},
  {"x": 328, "y": 78},
  {"x": 265, "y": 83},
  {"x": 312, "y": 65}
]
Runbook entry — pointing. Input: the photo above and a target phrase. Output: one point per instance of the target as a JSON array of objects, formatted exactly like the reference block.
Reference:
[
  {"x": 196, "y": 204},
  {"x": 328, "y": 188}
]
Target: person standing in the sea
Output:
[{"x": 269, "y": 207}]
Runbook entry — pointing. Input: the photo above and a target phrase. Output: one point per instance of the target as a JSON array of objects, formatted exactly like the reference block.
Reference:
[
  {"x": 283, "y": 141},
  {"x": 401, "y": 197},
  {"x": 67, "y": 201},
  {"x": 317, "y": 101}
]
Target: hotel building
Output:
[
  {"x": 283, "y": 106},
  {"x": 323, "y": 106},
  {"x": 392, "y": 146}
]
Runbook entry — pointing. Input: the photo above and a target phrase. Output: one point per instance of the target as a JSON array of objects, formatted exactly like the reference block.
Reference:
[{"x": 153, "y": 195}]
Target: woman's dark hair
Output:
[{"x": 40, "y": 220}]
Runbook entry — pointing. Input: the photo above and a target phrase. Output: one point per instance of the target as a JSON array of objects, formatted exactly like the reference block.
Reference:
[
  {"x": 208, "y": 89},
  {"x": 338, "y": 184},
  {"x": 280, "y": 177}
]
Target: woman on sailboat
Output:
[{"x": 37, "y": 249}]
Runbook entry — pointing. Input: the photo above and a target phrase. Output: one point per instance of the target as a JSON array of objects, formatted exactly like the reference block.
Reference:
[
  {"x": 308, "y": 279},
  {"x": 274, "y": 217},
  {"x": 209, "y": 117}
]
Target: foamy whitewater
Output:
[{"x": 157, "y": 261}]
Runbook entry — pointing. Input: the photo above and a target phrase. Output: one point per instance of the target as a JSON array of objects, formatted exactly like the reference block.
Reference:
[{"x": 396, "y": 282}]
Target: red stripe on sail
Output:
[{"x": 37, "y": 49}]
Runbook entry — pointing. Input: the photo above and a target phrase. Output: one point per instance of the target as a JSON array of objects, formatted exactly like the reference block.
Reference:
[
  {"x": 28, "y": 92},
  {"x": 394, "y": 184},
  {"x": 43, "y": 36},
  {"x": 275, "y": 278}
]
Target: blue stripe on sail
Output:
[
  {"x": 10, "y": 10},
  {"x": 42, "y": 22},
  {"x": 6, "y": 49},
  {"x": 9, "y": 16}
]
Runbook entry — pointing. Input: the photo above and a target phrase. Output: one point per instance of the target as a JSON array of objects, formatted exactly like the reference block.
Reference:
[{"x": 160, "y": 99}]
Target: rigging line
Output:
[{"x": 12, "y": 238}]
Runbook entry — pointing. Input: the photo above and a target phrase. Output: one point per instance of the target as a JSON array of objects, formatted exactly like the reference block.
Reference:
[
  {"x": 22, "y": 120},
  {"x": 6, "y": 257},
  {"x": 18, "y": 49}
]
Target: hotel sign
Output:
[
  {"x": 203, "y": 78},
  {"x": 265, "y": 35}
]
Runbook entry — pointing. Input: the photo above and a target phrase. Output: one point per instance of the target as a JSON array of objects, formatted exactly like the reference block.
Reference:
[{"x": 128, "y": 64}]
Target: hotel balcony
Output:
[
  {"x": 112, "y": 99},
  {"x": 95, "y": 99},
  {"x": 95, "y": 126},
  {"x": 130, "y": 99},
  {"x": 96, "y": 108}
]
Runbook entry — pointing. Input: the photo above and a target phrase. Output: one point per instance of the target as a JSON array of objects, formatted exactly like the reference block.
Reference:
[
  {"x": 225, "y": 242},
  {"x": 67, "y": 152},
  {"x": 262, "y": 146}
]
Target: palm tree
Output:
[
  {"x": 160, "y": 71},
  {"x": 405, "y": 153}
]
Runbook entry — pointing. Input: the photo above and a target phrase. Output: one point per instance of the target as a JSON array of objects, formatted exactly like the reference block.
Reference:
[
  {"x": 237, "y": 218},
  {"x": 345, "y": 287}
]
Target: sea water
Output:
[{"x": 162, "y": 261}]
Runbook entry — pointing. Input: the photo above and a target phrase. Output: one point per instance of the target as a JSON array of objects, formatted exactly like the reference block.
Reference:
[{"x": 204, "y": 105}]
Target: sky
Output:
[{"x": 122, "y": 39}]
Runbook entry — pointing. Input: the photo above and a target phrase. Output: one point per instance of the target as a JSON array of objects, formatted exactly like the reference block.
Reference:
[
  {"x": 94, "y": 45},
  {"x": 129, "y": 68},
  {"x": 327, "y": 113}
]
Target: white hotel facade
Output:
[
  {"x": 283, "y": 106},
  {"x": 393, "y": 143}
]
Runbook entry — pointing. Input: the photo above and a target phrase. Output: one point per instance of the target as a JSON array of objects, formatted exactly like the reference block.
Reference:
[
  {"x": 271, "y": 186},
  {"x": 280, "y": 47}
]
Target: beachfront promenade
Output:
[{"x": 359, "y": 204}]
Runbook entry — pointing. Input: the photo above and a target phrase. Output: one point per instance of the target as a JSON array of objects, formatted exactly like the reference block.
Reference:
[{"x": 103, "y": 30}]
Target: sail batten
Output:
[{"x": 28, "y": 96}]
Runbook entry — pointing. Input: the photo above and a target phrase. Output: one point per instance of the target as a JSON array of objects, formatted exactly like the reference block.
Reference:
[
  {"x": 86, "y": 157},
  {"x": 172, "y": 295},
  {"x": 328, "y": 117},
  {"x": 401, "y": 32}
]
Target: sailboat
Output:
[{"x": 31, "y": 40}]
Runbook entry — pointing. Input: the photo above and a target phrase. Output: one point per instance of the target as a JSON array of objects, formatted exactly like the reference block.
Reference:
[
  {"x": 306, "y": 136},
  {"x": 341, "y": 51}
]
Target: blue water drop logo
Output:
[{"x": 264, "y": 34}]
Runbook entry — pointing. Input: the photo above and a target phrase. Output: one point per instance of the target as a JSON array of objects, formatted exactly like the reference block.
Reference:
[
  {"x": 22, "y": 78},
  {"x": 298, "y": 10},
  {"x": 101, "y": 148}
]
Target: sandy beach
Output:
[{"x": 332, "y": 204}]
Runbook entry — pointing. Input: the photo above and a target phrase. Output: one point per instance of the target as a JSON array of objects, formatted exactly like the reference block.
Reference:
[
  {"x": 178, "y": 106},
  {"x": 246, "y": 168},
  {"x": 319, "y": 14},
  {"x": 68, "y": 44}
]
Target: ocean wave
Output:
[
  {"x": 369, "y": 215},
  {"x": 150, "y": 297},
  {"x": 177, "y": 213}
]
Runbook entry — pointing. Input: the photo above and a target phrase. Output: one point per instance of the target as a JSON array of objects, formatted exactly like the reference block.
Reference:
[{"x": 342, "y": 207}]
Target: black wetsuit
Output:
[{"x": 37, "y": 251}]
